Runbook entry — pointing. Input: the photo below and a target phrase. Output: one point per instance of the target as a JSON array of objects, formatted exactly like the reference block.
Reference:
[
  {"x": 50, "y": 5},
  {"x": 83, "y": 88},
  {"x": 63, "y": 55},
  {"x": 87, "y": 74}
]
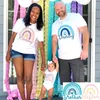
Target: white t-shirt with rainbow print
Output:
[
  {"x": 26, "y": 37},
  {"x": 69, "y": 38}
]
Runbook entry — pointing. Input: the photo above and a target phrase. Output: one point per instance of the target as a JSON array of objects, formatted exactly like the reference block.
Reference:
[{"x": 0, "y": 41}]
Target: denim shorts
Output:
[{"x": 15, "y": 54}]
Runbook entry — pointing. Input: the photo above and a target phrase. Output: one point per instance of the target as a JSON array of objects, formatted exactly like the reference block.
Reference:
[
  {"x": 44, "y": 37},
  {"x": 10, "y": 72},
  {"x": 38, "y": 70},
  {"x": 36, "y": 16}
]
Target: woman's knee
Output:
[
  {"x": 20, "y": 78},
  {"x": 28, "y": 79}
]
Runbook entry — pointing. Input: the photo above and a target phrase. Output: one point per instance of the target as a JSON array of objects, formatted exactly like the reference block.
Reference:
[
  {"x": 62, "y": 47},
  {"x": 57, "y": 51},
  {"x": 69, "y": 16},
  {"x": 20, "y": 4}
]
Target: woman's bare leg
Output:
[
  {"x": 18, "y": 63},
  {"x": 28, "y": 69}
]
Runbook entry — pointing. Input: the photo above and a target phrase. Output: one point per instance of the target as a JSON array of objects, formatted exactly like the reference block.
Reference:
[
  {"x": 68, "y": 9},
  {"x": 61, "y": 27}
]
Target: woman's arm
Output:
[
  {"x": 10, "y": 46},
  {"x": 41, "y": 45}
]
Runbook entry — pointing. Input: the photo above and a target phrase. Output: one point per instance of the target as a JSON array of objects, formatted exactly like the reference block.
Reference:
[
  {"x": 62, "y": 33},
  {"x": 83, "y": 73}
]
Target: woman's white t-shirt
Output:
[
  {"x": 26, "y": 37},
  {"x": 69, "y": 40}
]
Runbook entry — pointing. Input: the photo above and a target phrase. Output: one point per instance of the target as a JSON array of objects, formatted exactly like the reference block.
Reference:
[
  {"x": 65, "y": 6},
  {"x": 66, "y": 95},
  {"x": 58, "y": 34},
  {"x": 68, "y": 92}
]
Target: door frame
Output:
[
  {"x": 5, "y": 40},
  {"x": 91, "y": 76},
  {"x": 93, "y": 34}
]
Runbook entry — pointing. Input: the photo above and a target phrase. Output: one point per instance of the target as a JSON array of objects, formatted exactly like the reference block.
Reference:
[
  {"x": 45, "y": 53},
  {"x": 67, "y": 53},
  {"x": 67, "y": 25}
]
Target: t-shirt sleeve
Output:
[
  {"x": 16, "y": 26},
  {"x": 55, "y": 72},
  {"x": 40, "y": 36},
  {"x": 54, "y": 30},
  {"x": 80, "y": 21},
  {"x": 46, "y": 71}
]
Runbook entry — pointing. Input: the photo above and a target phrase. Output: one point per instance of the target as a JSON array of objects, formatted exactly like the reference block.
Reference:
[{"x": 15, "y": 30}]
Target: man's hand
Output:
[
  {"x": 55, "y": 59},
  {"x": 84, "y": 54}
]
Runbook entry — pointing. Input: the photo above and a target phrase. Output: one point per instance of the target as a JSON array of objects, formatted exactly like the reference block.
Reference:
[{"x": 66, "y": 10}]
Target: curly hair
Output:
[{"x": 39, "y": 20}]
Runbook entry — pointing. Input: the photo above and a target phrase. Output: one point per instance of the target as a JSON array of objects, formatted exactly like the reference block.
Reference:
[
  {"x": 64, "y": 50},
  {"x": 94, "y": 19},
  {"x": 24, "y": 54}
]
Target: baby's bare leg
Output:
[
  {"x": 50, "y": 92},
  {"x": 43, "y": 91}
]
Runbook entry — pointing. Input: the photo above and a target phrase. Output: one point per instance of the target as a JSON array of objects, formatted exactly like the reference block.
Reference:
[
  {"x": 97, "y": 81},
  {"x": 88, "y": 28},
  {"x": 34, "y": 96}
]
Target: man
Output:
[{"x": 66, "y": 34}]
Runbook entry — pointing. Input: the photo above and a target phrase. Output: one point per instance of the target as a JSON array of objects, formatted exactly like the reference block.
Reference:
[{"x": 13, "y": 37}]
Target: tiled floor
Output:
[{"x": 54, "y": 98}]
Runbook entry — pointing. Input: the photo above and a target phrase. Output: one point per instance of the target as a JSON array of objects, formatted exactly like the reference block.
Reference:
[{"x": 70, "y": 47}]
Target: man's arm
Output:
[
  {"x": 54, "y": 47},
  {"x": 85, "y": 33}
]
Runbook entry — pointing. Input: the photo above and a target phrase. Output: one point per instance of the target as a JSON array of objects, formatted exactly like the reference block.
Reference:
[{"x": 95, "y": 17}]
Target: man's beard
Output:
[{"x": 61, "y": 14}]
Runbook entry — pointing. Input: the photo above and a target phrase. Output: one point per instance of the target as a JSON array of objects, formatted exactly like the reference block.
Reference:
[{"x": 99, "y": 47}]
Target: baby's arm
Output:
[
  {"x": 57, "y": 66},
  {"x": 43, "y": 72}
]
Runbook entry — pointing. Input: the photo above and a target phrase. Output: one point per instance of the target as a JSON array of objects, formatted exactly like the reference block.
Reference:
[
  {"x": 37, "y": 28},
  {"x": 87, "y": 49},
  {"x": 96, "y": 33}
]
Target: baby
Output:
[{"x": 50, "y": 76}]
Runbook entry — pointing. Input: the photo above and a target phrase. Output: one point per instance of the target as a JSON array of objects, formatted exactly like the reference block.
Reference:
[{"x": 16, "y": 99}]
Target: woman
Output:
[{"x": 22, "y": 47}]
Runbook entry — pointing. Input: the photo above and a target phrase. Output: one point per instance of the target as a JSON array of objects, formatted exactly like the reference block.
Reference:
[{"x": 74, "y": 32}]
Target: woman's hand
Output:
[
  {"x": 43, "y": 67},
  {"x": 8, "y": 56}
]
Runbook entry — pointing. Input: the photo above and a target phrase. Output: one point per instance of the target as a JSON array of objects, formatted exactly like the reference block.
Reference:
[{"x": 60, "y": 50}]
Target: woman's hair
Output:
[{"x": 39, "y": 20}]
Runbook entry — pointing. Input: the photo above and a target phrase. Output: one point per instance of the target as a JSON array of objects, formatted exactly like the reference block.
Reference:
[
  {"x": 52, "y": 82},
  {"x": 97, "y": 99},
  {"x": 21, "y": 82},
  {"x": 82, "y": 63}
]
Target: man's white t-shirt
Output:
[
  {"x": 50, "y": 78},
  {"x": 26, "y": 37},
  {"x": 69, "y": 38}
]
